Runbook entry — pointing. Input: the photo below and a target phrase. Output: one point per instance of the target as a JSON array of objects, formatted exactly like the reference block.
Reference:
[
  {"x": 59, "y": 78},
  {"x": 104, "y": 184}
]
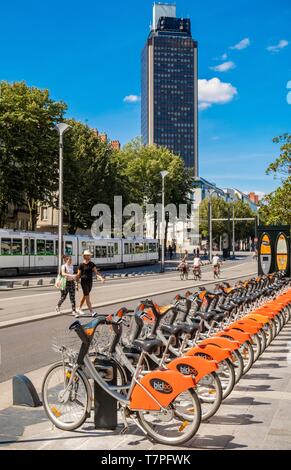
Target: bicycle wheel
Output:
[
  {"x": 238, "y": 364},
  {"x": 177, "y": 423},
  {"x": 256, "y": 345},
  {"x": 226, "y": 376},
  {"x": 209, "y": 392},
  {"x": 247, "y": 353},
  {"x": 66, "y": 405},
  {"x": 263, "y": 339},
  {"x": 268, "y": 333}
]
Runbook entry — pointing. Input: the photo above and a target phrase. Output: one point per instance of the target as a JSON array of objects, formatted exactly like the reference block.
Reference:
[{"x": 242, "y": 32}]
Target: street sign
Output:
[
  {"x": 265, "y": 253},
  {"x": 274, "y": 249},
  {"x": 282, "y": 252}
]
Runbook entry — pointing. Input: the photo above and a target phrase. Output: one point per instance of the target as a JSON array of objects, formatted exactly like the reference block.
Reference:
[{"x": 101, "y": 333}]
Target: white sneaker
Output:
[
  {"x": 79, "y": 312},
  {"x": 93, "y": 313}
]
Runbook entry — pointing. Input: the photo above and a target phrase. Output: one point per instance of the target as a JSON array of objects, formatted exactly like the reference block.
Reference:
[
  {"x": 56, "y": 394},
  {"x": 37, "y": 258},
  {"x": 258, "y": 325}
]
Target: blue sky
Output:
[{"x": 88, "y": 54}]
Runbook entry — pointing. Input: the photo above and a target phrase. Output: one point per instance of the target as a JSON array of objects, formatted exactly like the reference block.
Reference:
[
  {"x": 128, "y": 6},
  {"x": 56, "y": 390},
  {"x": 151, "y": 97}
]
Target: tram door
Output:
[{"x": 28, "y": 253}]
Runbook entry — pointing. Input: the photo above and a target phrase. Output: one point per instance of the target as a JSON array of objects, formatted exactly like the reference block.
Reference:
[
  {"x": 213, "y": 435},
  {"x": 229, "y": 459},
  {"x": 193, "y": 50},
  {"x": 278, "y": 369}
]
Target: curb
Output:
[{"x": 45, "y": 316}]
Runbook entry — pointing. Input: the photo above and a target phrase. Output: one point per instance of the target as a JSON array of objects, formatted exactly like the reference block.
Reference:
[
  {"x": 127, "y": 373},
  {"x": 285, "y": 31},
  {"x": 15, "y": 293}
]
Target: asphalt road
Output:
[{"x": 28, "y": 346}]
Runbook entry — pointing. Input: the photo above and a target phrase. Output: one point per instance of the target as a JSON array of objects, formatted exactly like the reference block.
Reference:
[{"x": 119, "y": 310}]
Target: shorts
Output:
[{"x": 86, "y": 286}]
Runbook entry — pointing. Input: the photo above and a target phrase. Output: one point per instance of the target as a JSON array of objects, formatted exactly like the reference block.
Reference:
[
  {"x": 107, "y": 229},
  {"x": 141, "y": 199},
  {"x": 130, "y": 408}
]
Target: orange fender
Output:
[
  {"x": 161, "y": 387},
  {"x": 247, "y": 326},
  {"x": 195, "y": 366},
  {"x": 236, "y": 335},
  {"x": 269, "y": 312},
  {"x": 259, "y": 318},
  {"x": 211, "y": 352},
  {"x": 221, "y": 343}
]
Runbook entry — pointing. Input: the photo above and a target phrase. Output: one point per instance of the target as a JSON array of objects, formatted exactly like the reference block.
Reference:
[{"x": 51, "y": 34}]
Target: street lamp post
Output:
[
  {"x": 61, "y": 128},
  {"x": 233, "y": 232},
  {"x": 210, "y": 223},
  {"x": 163, "y": 175}
]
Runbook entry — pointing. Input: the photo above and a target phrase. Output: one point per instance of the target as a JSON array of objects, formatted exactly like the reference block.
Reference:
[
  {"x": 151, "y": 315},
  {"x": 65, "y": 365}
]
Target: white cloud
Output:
[
  {"x": 224, "y": 56},
  {"x": 281, "y": 44},
  {"x": 241, "y": 45},
  {"x": 214, "y": 91},
  {"x": 204, "y": 105},
  {"x": 131, "y": 99},
  {"x": 224, "y": 67}
]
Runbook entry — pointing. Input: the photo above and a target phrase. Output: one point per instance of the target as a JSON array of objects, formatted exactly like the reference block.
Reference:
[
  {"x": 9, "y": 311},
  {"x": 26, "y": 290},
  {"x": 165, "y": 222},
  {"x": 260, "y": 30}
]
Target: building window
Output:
[{"x": 44, "y": 214}]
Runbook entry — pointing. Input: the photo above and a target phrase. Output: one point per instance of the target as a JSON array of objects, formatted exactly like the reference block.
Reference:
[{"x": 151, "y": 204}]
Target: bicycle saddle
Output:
[
  {"x": 174, "y": 330},
  {"x": 148, "y": 345}
]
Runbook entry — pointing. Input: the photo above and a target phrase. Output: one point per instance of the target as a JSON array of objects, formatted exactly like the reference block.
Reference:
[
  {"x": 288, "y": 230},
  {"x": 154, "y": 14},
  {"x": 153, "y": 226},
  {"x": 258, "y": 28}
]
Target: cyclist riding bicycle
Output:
[
  {"x": 216, "y": 263},
  {"x": 197, "y": 265}
]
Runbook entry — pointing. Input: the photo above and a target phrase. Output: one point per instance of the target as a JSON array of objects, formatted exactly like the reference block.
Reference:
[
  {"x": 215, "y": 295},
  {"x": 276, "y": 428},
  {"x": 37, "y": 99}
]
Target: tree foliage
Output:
[
  {"x": 275, "y": 208},
  {"x": 221, "y": 210},
  {"x": 282, "y": 164},
  {"x": 28, "y": 147},
  {"x": 91, "y": 175}
]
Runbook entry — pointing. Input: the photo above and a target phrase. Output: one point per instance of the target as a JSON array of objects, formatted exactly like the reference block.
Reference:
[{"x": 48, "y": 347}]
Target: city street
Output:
[{"x": 27, "y": 345}]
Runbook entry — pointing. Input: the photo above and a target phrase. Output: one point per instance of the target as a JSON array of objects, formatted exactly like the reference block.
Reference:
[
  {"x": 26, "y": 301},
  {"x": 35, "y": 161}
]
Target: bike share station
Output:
[{"x": 274, "y": 249}]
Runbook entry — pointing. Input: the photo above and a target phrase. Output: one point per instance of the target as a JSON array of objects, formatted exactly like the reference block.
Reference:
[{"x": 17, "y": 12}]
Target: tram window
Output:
[
  {"x": 139, "y": 247},
  {"x": 126, "y": 248},
  {"x": 132, "y": 248},
  {"x": 152, "y": 247},
  {"x": 26, "y": 246},
  {"x": 40, "y": 247},
  {"x": 32, "y": 246},
  {"x": 69, "y": 248},
  {"x": 145, "y": 248},
  {"x": 97, "y": 251},
  {"x": 116, "y": 248},
  {"x": 103, "y": 252},
  {"x": 16, "y": 246},
  {"x": 6, "y": 246},
  {"x": 110, "y": 251},
  {"x": 83, "y": 247},
  {"x": 49, "y": 247}
]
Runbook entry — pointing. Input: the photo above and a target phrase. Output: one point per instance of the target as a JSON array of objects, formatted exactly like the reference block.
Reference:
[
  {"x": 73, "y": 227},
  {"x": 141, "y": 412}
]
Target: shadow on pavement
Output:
[
  {"x": 255, "y": 388},
  {"x": 15, "y": 420},
  {"x": 270, "y": 365},
  {"x": 215, "y": 442},
  {"x": 260, "y": 377},
  {"x": 244, "y": 401},
  {"x": 242, "y": 419}
]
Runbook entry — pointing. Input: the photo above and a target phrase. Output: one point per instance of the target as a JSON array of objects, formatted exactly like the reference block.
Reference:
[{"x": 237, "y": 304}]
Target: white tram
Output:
[{"x": 31, "y": 252}]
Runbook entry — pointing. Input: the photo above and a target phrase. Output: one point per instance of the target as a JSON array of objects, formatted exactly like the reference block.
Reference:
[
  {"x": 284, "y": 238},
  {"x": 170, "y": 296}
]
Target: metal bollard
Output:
[
  {"x": 105, "y": 407},
  {"x": 24, "y": 392}
]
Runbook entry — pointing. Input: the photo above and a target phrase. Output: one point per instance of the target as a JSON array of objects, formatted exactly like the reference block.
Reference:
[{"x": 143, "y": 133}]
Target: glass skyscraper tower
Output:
[{"x": 169, "y": 107}]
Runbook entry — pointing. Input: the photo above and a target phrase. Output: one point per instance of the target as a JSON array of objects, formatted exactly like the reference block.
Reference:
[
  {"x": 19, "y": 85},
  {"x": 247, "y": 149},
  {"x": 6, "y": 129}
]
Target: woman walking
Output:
[
  {"x": 85, "y": 273},
  {"x": 67, "y": 271}
]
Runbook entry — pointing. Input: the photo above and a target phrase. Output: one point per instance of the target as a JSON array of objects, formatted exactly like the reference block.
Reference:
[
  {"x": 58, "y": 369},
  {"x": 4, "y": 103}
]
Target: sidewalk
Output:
[{"x": 257, "y": 415}]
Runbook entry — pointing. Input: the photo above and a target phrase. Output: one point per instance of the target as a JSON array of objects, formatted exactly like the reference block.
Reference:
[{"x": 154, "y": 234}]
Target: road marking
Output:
[
  {"x": 44, "y": 316},
  {"x": 160, "y": 278}
]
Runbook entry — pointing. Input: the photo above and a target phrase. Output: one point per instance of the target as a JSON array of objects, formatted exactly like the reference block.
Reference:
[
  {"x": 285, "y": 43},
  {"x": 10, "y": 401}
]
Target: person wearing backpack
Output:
[{"x": 67, "y": 284}]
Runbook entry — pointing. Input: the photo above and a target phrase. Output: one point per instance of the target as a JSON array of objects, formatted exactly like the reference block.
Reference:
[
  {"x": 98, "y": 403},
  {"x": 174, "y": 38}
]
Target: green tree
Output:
[
  {"x": 282, "y": 165},
  {"x": 28, "y": 147},
  {"x": 91, "y": 175},
  {"x": 275, "y": 208},
  {"x": 141, "y": 165},
  {"x": 221, "y": 210}
]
